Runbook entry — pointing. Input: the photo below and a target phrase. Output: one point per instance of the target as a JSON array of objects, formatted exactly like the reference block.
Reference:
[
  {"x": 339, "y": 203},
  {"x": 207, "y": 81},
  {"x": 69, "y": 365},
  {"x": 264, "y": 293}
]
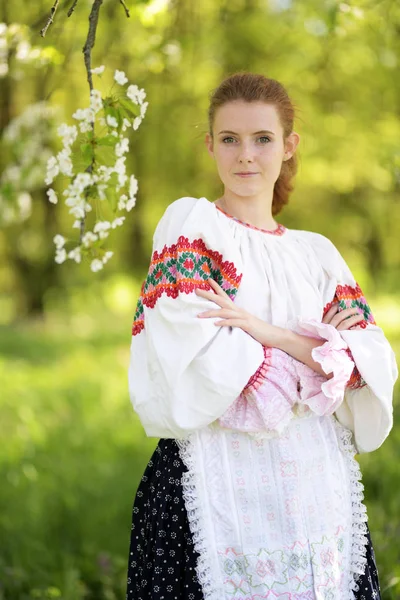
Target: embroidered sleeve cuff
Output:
[
  {"x": 258, "y": 377},
  {"x": 265, "y": 404},
  {"x": 356, "y": 380}
]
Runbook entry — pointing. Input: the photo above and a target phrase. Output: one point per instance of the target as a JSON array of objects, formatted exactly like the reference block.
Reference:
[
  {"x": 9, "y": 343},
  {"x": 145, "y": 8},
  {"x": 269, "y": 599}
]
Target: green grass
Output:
[
  {"x": 73, "y": 452},
  {"x": 72, "y": 455}
]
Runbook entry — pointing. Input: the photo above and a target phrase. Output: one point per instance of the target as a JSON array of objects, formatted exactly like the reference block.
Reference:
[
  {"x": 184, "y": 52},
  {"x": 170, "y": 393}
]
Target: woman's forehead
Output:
[{"x": 247, "y": 117}]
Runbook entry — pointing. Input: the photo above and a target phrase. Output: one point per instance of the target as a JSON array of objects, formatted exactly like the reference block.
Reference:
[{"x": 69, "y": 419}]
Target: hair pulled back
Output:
[{"x": 252, "y": 87}]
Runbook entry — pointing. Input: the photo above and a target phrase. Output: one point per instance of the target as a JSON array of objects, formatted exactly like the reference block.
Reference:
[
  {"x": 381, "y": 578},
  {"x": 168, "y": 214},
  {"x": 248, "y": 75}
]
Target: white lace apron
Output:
[{"x": 278, "y": 518}]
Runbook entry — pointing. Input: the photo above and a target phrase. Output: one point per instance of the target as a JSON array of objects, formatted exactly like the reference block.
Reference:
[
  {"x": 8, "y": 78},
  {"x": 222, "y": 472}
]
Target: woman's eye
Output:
[
  {"x": 227, "y": 138},
  {"x": 264, "y": 137}
]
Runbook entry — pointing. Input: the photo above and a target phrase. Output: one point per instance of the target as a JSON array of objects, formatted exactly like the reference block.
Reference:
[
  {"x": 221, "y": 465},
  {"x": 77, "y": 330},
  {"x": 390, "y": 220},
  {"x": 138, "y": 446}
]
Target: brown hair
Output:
[{"x": 252, "y": 87}]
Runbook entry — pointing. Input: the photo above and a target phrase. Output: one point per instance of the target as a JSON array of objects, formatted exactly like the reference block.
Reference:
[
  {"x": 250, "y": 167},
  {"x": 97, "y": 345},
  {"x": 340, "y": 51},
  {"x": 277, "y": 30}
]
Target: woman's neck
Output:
[{"x": 256, "y": 212}]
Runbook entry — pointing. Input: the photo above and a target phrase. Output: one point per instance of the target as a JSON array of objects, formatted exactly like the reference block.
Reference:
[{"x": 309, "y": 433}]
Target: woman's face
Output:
[{"x": 248, "y": 137}]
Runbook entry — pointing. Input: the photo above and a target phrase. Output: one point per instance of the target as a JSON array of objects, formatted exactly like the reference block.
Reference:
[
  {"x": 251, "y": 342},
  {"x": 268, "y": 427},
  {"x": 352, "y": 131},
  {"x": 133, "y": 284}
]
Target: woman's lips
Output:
[{"x": 246, "y": 174}]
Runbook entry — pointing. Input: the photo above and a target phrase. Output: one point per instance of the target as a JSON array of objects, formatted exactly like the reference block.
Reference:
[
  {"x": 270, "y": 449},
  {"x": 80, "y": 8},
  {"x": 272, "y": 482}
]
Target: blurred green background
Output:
[{"x": 72, "y": 450}]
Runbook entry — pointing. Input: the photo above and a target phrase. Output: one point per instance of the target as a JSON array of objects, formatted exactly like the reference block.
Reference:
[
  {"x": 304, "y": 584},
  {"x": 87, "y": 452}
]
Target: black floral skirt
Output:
[{"x": 162, "y": 559}]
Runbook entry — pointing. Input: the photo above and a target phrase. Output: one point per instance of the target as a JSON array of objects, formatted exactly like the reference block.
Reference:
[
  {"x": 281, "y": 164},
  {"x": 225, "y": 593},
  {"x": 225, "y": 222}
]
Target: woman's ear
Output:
[
  {"x": 209, "y": 144},
  {"x": 291, "y": 143}
]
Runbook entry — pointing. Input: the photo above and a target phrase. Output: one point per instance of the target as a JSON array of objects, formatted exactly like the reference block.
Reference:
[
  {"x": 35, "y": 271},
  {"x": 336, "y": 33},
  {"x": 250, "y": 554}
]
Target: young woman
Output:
[{"x": 257, "y": 361}]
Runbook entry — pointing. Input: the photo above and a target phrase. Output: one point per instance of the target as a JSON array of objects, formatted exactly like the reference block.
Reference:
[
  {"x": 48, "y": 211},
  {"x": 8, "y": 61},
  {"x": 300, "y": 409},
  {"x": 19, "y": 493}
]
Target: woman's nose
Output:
[{"x": 246, "y": 152}]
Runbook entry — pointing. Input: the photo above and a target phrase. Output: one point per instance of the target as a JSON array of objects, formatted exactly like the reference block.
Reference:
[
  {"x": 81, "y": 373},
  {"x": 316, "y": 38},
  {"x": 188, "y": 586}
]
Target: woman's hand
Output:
[
  {"x": 343, "y": 319},
  {"x": 298, "y": 346},
  {"x": 234, "y": 316}
]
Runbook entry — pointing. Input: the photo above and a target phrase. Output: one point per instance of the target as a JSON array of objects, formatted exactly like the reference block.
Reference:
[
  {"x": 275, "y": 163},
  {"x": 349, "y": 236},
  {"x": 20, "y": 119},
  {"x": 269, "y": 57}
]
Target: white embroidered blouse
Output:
[
  {"x": 186, "y": 373},
  {"x": 272, "y": 488}
]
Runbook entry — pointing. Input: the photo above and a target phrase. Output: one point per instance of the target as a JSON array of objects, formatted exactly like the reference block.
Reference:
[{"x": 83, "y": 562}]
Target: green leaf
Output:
[
  {"x": 130, "y": 106},
  {"x": 105, "y": 155},
  {"x": 87, "y": 152},
  {"x": 107, "y": 140}
]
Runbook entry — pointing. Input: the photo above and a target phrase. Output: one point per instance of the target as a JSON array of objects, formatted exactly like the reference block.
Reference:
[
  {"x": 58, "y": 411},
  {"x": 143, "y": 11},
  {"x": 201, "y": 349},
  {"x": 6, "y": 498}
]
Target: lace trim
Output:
[
  {"x": 359, "y": 540},
  {"x": 196, "y": 518}
]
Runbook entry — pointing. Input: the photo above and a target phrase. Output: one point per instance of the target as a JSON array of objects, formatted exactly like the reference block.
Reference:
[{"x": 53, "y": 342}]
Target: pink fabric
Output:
[
  {"x": 284, "y": 386},
  {"x": 268, "y": 404}
]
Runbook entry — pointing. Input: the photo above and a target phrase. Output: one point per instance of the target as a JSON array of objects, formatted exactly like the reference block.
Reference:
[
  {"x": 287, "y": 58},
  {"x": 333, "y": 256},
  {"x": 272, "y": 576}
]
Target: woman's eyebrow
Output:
[{"x": 256, "y": 133}]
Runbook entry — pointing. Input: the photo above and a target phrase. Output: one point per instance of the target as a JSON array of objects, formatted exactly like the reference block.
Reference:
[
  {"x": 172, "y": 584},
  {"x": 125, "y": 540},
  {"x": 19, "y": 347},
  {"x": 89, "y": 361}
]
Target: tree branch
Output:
[
  {"x": 51, "y": 18},
  {"x": 125, "y": 7},
  {"x": 71, "y": 10},
  {"x": 87, "y": 49},
  {"x": 91, "y": 38}
]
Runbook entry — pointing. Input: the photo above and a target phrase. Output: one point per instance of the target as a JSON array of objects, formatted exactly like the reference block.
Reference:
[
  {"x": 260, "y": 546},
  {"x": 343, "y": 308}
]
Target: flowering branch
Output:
[
  {"x": 94, "y": 160},
  {"x": 106, "y": 179}
]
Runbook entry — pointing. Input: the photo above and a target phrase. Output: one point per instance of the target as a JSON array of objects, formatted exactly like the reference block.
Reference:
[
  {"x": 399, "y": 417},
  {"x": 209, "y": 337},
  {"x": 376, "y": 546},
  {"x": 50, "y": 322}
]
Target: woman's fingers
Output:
[
  {"x": 223, "y": 313},
  {"x": 331, "y": 312},
  {"x": 347, "y": 323},
  {"x": 219, "y": 296},
  {"x": 345, "y": 314}
]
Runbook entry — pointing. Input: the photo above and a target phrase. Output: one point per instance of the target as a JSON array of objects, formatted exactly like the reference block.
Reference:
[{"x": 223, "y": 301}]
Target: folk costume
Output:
[{"x": 253, "y": 491}]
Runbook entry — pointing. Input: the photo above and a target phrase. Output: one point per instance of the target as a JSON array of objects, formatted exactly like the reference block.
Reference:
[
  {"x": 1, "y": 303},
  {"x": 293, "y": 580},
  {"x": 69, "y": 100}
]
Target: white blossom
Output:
[
  {"x": 65, "y": 162},
  {"x": 130, "y": 204},
  {"x": 143, "y": 109},
  {"x": 120, "y": 169},
  {"x": 85, "y": 126},
  {"x": 24, "y": 203},
  {"x": 122, "y": 202},
  {"x": 59, "y": 240},
  {"x": 136, "y": 123},
  {"x": 69, "y": 134},
  {"x": 77, "y": 224},
  {"x": 84, "y": 114},
  {"x": 105, "y": 172},
  {"x": 98, "y": 70},
  {"x": 107, "y": 256},
  {"x": 52, "y": 196},
  {"x": 133, "y": 186},
  {"x": 75, "y": 254},
  {"x": 137, "y": 96},
  {"x": 120, "y": 77},
  {"x": 61, "y": 255},
  {"x": 88, "y": 238},
  {"x": 78, "y": 212},
  {"x": 96, "y": 265},
  {"x": 102, "y": 226},
  {"x": 117, "y": 222},
  {"x": 122, "y": 147},
  {"x": 125, "y": 124},
  {"x": 52, "y": 170},
  {"x": 112, "y": 121},
  {"x": 96, "y": 102}
]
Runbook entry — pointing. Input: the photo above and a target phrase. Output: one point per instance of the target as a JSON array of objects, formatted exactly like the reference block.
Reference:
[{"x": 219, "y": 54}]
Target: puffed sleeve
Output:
[
  {"x": 367, "y": 408},
  {"x": 184, "y": 371}
]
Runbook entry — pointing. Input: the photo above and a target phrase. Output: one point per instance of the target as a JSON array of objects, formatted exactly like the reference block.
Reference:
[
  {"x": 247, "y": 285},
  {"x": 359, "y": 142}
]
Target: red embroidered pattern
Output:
[
  {"x": 258, "y": 377},
  {"x": 356, "y": 380},
  {"x": 348, "y": 296},
  {"x": 181, "y": 268},
  {"x": 280, "y": 230}
]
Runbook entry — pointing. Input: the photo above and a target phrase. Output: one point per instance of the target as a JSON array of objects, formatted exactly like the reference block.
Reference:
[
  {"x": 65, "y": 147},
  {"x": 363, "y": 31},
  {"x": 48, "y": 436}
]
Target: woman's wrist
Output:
[{"x": 277, "y": 337}]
